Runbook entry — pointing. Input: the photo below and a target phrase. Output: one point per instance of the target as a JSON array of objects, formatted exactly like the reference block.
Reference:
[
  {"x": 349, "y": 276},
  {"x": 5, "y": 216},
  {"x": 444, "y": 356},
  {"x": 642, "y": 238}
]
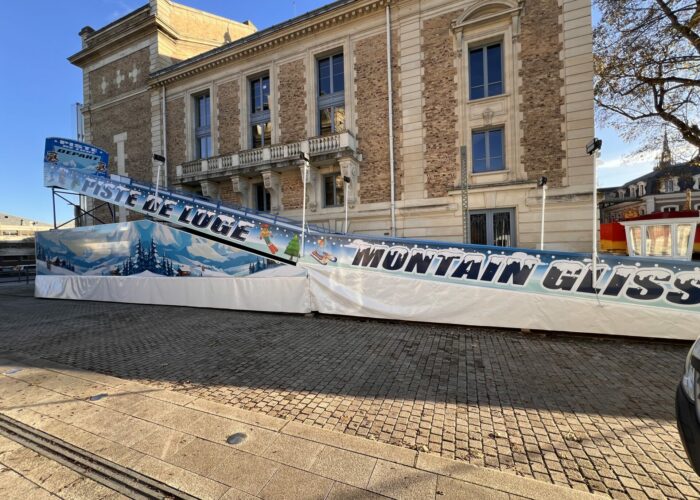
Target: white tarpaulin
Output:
[
  {"x": 379, "y": 295},
  {"x": 288, "y": 294}
]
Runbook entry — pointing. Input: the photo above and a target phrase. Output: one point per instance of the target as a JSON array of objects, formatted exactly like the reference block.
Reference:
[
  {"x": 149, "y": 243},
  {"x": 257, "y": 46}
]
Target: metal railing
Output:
[
  {"x": 268, "y": 154},
  {"x": 17, "y": 274}
]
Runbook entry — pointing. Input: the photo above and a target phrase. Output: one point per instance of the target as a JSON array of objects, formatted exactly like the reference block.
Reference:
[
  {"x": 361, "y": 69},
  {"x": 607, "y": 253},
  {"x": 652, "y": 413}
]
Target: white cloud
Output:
[{"x": 636, "y": 160}]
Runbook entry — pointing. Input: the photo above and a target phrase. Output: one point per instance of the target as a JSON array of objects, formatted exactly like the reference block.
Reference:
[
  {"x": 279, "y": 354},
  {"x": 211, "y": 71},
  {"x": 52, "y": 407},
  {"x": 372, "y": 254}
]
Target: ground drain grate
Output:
[{"x": 123, "y": 480}]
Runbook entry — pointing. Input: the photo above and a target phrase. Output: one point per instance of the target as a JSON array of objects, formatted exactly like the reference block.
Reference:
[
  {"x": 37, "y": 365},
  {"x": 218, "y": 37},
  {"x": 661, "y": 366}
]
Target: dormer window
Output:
[
  {"x": 696, "y": 178},
  {"x": 642, "y": 188},
  {"x": 669, "y": 185},
  {"x": 633, "y": 191}
]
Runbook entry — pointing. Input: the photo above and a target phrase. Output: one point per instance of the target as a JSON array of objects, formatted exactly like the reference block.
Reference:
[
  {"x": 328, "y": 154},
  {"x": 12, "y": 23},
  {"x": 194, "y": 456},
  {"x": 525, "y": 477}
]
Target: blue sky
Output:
[{"x": 41, "y": 88}]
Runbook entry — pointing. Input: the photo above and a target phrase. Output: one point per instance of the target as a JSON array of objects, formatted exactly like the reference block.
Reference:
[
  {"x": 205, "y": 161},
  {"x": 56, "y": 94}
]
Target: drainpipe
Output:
[
  {"x": 391, "y": 120},
  {"x": 165, "y": 136}
]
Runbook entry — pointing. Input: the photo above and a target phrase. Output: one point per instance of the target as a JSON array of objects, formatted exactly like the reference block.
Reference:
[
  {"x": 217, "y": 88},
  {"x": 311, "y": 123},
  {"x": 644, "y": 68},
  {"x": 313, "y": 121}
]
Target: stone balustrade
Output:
[{"x": 269, "y": 155}]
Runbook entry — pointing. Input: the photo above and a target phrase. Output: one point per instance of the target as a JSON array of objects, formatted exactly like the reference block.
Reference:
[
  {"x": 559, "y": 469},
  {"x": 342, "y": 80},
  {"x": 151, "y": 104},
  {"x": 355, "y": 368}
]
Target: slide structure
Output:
[{"x": 398, "y": 278}]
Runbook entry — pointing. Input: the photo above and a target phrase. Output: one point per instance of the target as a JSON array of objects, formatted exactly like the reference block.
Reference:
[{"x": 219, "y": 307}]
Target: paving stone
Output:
[
  {"x": 293, "y": 451},
  {"x": 201, "y": 456},
  {"x": 163, "y": 443},
  {"x": 244, "y": 471},
  {"x": 363, "y": 377},
  {"x": 345, "y": 466},
  {"x": 289, "y": 482},
  {"x": 449, "y": 489},
  {"x": 342, "y": 491},
  {"x": 399, "y": 481},
  {"x": 180, "y": 478}
]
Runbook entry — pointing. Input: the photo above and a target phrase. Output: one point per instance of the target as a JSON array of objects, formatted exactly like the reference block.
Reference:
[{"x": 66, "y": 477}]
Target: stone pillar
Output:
[
  {"x": 120, "y": 141},
  {"x": 349, "y": 167},
  {"x": 273, "y": 186}
]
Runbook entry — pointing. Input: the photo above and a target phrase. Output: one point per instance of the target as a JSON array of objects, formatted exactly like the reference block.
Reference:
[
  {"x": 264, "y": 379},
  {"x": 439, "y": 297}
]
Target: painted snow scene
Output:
[{"x": 141, "y": 248}]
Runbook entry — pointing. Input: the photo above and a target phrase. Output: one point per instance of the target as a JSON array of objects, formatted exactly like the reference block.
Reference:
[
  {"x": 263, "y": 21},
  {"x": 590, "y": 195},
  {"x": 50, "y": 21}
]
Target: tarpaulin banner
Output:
[
  {"x": 61, "y": 154},
  {"x": 656, "y": 283}
]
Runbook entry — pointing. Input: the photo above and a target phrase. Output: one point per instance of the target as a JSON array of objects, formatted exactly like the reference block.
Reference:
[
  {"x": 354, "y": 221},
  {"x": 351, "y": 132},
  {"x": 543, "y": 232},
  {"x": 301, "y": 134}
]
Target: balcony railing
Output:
[{"x": 276, "y": 153}]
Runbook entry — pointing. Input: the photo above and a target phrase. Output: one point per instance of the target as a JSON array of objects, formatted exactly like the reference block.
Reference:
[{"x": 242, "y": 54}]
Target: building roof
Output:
[
  {"x": 684, "y": 171},
  {"x": 16, "y": 220},
  {"x": 251, "y": 38}
]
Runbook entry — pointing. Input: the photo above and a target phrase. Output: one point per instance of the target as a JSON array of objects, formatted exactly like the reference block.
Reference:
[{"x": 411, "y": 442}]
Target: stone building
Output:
[
  {"x": 231, "y": 108},
  {"x": 669, "y": 187},
  {"x": 17, "y": 241}
]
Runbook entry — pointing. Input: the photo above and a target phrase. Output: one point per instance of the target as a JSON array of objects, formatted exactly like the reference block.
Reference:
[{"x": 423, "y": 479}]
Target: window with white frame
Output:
[
  {"x": 670, "y": 208},
  {"x": 642, "y": 188},
  {"x": 633, "y": 191},
  {"x": 331, "y": 94},
  {"x": 202, "y": 125},
  {"x": 488, "y": 150},
  {"x": 260, "y": 124},
  {"x": 486, "y": 71},
  {"x": 669, "y": 185},
  {"x": 333, "y": 190}
]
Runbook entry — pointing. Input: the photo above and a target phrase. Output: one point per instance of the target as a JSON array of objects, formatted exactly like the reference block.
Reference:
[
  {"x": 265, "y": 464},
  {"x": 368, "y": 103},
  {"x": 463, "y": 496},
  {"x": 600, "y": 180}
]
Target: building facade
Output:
[
  {"x": 498, "y": 89},
  {"x": 673, "y": 188},
  {"x": 17, "y": 241}
]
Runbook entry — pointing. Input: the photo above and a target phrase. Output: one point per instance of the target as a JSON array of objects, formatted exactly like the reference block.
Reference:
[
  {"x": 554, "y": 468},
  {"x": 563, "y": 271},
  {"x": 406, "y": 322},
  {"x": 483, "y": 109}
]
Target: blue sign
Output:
[{"x": 62, "y": 154}]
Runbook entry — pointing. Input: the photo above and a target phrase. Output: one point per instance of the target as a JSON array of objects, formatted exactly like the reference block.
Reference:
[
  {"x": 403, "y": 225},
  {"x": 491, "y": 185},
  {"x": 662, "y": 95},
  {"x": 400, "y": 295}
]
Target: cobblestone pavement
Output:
[{"x": 591, "y": 413}]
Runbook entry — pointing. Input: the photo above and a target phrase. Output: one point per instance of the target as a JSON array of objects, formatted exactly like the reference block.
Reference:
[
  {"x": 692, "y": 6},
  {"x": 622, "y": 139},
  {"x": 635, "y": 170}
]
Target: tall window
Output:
[
  {"x": 261, "y": 127},
  {"x": 493, "y": 227},
  {"x": 487, "y": 150},
  {"x": 262, "y": 198},
  {"x": 331, "y": 95},
  {"x": 333, "y": 190},
  {"x": 202, "y": 125},
  {"x": 485, "y": 71}
]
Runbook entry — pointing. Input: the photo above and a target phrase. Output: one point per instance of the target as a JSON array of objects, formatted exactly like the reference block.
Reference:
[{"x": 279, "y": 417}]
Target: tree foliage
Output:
[{"x": 647, "y": 62}]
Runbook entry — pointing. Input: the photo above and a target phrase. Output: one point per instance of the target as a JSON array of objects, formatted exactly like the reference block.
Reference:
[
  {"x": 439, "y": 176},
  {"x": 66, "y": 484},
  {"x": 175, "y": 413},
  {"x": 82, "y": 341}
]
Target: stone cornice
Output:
[
  {"x": 119, "y": 40},
  {"x": 275, "y": 36}
]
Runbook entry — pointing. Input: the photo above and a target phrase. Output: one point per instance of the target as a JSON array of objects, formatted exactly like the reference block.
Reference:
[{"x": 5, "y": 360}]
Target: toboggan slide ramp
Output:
[{"x": 210, "y": 254}]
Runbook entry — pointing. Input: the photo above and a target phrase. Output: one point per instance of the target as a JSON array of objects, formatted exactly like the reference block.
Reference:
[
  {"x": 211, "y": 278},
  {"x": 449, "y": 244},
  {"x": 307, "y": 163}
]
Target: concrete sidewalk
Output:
[{"x": 180, "y": 440}]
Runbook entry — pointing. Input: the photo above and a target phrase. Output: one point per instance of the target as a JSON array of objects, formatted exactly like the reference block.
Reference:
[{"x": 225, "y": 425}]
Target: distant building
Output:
[
  {"x": 668, "y": 188},
  {"x": 231, "y": 108},
  {"x": 17, "y": 240}
]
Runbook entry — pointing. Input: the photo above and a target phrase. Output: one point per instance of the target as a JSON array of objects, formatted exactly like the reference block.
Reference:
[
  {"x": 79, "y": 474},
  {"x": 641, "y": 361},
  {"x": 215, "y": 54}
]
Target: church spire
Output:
[{"x": 665, "y": 159}]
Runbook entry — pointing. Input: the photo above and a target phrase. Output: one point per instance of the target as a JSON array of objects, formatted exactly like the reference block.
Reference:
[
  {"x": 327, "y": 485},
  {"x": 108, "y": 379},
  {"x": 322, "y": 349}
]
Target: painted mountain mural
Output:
[{"x": 141, "y": 248}]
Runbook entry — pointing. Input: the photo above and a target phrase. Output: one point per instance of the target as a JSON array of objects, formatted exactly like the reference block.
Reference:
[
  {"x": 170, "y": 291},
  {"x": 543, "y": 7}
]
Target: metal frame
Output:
[{"x": 56, "y": 193}]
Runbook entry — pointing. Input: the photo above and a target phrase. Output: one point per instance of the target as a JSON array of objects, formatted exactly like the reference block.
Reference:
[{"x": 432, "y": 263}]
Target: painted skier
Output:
[{"x": 266, "y": 234}]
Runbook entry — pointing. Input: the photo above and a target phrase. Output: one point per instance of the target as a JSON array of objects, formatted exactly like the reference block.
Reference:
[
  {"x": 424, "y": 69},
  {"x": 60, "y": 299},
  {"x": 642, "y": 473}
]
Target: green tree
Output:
[
  {"x": 293, "y": 247},
  {"x": 647, "y": 65}
]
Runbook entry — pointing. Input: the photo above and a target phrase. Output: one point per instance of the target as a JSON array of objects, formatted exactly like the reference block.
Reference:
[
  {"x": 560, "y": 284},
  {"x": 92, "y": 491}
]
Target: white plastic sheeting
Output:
[
  {"x": 287, "y": 294},
  {"x": 380, "y": 295}
]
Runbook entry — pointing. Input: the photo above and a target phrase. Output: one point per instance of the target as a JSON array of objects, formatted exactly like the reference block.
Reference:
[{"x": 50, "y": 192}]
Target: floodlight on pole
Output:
[
  {"x": 305, "y": 158},
  {"x": 346, "y": 181},
  {"x": 593, "y": 149},
  {"x": 161, "y": 160},
  {"x": 543, "y": 185}
]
